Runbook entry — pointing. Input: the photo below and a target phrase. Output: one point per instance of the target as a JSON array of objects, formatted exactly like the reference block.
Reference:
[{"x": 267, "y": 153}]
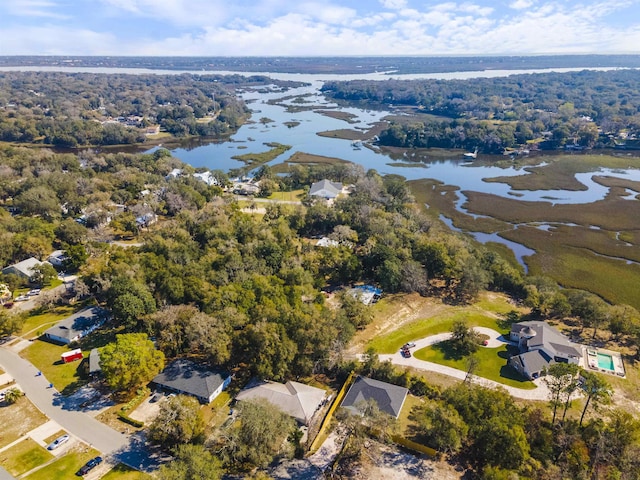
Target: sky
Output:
[{"x": 313, "y": 27}]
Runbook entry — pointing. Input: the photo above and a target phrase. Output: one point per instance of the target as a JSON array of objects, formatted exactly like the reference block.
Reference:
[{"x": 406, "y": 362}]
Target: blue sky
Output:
[{"x": 314, "y": 27}]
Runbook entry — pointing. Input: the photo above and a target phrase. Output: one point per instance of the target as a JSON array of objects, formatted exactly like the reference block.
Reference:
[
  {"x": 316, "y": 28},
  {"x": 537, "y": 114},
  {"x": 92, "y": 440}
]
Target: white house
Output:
[
  {"x": 23, "y": 269},
  {"x": 325, "y": 189},
  {"x": 57, "y": 258},
  {"x": 77, "y": 326},
  {"x": 541, "y": 345}
]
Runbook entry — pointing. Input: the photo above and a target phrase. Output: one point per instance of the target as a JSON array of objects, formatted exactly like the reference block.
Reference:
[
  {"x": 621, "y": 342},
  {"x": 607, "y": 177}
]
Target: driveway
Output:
[
  {"x": 541, "y": 392},
  {"x": 131, "y": 450}
]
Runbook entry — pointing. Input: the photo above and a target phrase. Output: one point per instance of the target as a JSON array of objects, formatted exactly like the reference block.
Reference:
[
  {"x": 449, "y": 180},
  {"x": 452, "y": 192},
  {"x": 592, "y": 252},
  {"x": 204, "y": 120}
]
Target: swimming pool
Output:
[{"x": 605, "y": 362}]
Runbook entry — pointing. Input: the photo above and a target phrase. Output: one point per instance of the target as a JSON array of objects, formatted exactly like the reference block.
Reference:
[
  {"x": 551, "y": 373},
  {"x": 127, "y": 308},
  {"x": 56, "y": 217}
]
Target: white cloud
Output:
[
  {"x": 56, "y": 40},
  {"x": 521, "y": 4},
  {"x": 393, "y": 4},
  {"x": 33, "y": 8},
  {"x": 335, "y": 27}
]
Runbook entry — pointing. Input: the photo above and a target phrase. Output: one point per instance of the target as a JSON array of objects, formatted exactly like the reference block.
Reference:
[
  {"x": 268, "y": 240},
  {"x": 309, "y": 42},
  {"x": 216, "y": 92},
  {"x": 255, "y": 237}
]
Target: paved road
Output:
[
  {"x": 495, "y": 340},
  {"x": 108, "y": 441}
]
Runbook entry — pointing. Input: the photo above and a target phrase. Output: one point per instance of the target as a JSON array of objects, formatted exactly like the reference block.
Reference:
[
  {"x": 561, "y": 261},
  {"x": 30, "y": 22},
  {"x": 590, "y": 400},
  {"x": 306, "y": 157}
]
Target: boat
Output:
[
  {"x": 472, "y": 155},
  {"x": 356, "y": 144}
]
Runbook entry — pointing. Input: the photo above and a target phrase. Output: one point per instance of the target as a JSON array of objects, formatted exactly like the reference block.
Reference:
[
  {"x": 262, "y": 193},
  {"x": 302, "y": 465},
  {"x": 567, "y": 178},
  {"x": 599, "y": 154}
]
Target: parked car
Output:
[
  {"x": 155, "y": 397},
  {"x": 409, "y": 345},
  {"x": 406, "y": 353},
  {"x": 21, "y": 298},
  {"x": 87, "y": 467},
  {"x": 34, "y": 292},
  {"x": 57, "y": 442}
]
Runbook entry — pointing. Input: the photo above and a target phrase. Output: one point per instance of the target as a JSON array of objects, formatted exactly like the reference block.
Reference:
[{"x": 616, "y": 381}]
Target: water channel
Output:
[{"x": 304, "y": 137}]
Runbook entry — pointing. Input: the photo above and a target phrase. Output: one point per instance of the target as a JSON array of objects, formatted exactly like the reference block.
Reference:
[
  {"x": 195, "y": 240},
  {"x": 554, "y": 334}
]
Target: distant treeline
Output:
[
  {"x": 585, "y": 109},
  {"x": 77, "y": 109},
  {"x": 338, "y": 65}
]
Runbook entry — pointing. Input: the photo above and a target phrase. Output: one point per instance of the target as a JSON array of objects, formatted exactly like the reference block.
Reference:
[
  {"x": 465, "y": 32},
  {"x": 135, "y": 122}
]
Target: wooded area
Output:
[
  {"x": 81, "y": 109},
  {"x": 587, "y": 109}
]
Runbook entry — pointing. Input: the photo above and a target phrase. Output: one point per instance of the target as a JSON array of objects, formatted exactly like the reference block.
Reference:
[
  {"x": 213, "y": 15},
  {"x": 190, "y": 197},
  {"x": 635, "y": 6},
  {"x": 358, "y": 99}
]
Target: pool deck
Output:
[{"x": 590, "y": 358}]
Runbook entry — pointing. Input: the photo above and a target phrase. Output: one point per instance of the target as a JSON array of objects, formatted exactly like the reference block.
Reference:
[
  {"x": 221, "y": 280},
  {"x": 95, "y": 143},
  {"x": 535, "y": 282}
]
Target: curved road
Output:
[
  {"x": 495, "y": 340},
  {"x": 96, "y": 434}
]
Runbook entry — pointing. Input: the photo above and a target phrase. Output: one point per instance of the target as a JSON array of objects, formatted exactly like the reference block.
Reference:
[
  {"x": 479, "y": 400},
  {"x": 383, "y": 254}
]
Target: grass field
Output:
[
  {"x": 492, "y": 363},
  {"x": 425, "y": 327},
  {"x": 45, "y": 357},
  {"x": 36, "y": 324},
  {"x": 292, "y": 196},
  {"x": 122, "y": 472},
  {"x": 23, "y": 457},
  {"x": 65, "y": 467},
  {"x": 17, "y": 419}
]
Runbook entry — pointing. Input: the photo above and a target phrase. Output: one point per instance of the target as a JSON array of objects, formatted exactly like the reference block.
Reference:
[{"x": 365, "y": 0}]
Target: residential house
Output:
[
  {"x": 95, "y": 368},
  {"x": 146, "y": 220},
  {"x": 189, "y": 378},
  {"x": 297, "y": 400},
  {"x": 57, "y": 258},
  {"x": 367, "y": 294},
  {"x": 77, "y": 326},
  {"x": 325, "y": 189},
  {"x": 23, "y": 269},
  {"x": 389, "y": 398},
  {"x": 541, "y": 345}
]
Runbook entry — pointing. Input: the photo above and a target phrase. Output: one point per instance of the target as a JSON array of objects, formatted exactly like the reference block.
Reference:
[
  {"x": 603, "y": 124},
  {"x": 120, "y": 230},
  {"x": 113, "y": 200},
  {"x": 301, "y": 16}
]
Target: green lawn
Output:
[
  {"x": 36, "y": 324},
  {"x": 46, "y": 358},
  {"x": 122, "y": 472},
  {"x": 404, "y": 422},
  {"x": 17, "y": 419},
  {"x": 23, "y": 457},
  {"x": 425, "y": 327},
  {"x": 294, "y": 195},
  {"x": 492, "y": 363},
  {"x": 65, "y": 467}
]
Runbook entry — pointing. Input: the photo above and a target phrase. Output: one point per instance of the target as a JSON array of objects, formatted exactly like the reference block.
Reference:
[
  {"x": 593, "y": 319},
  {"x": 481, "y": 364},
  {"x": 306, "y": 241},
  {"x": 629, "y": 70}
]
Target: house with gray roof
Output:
[
  {"x": 389, "y": 398},
  {"x": 325, "y": 189},
  {"x": 190, "y": 378},
  {"x": 297, "y": 400},
  {"x": 77, "y": 326},
  {"x": 95, "y": 368},
  {"x": 23, "y": 269},
  {"x": 541, "y": 345}
]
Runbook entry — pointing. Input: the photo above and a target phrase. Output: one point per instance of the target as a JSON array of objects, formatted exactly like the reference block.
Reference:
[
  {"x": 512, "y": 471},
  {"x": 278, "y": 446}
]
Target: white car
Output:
[
  {"x": 34, "y": 292},
  {"x": 21, "y": 298},
  {"x": 57, "y": 442}
]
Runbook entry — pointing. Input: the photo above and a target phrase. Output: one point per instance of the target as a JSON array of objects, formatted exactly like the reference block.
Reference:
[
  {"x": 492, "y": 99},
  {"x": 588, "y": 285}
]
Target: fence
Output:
[{"x": 327, "y": 419}]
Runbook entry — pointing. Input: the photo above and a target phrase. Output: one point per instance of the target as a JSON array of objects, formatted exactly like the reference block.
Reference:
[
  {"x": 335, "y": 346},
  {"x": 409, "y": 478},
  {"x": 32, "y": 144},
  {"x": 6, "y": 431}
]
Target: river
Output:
[{"x": 304, "y": 137}]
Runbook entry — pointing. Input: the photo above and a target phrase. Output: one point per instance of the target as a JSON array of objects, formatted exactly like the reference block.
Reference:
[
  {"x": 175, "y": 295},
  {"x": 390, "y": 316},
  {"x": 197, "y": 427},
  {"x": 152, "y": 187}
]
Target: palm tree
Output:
[{"x": 12, "y": 395}]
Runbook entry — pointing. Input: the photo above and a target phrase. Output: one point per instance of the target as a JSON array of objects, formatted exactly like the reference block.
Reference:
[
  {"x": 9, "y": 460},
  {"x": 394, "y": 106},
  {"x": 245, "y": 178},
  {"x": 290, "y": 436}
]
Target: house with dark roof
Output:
[
  {"x": 325, "y": 189},
  {"x": 297, "y": 400},
  {"x": 190, "y": 378},
  {"x": 77, "y": 326},
  {"x": 541, "y": 345},
  {"x": 389, "y": 398}
]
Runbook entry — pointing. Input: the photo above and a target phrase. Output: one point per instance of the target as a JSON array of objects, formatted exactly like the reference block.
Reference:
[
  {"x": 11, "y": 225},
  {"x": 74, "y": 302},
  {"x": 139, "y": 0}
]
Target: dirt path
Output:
[{"x": 403, "y": 310}]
